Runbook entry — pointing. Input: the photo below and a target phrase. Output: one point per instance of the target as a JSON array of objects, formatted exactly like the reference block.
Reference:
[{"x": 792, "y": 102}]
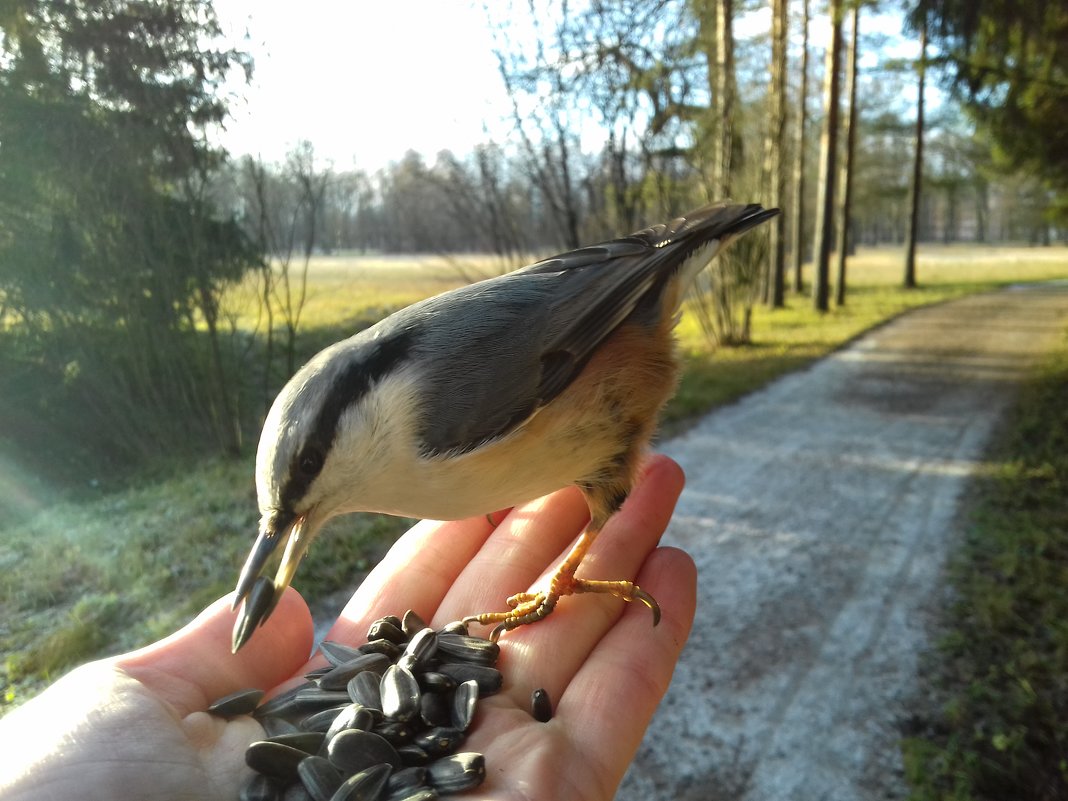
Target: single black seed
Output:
[
  {"x": 317, "y": 673},
  {"x": 406, "y": 779},
  {"x": 387, "y": 630},
  {"x": 321, "y": 720},
  {"x": 439, "y": 740},
  {"x": 336, "y": 653},
  {"x": 422, "y": 647},
  {"x": 411, "y": 623},
  {"x": 283, "y": 703},
  {"x": 397, "y": 732},
  {"x": 319, "y": 777},
  {"x": 381, "y": 646},
  {"x": 456, "y": 773},
  {"x": 433, "y": 682},
  {"x": 464, "y": 701},
  {"x": 364, "y": 786},
  {"x": 435, "y": 710},
  {"x": 308, "y": 741},
  {"x": 355, "y": 750},
  {"x": 353, "y": 716},
  {"x": 468, "y": 649},
  {"x": 489, "y": 679},
  {"x": 413, "y": 755},
  {"x": 541, "y": 708},
  {"x": 313, "y": 698},
  {"x": 258, "y": 787},
  {"x": 243, "y": 702},
  {"x": 363, "y": 689},
  {"x": 274, "y": 726},
  {"x": 455, "y": 627},
  {"x": 339, "y": 676},
  {"x": 296, "y": 792},
  {"x": 274, "y": 759},
  {"x": 416, "y": 794},
  {"x": 399, "y": 693}
]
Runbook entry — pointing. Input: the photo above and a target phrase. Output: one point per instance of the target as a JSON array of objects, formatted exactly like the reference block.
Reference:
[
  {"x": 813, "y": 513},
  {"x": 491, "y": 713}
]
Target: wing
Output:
[{"x": 502, "y": 349}]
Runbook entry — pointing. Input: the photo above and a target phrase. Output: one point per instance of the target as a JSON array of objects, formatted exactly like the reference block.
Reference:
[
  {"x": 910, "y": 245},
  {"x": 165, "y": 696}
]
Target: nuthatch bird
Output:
[{"x": 485, "y": 397}]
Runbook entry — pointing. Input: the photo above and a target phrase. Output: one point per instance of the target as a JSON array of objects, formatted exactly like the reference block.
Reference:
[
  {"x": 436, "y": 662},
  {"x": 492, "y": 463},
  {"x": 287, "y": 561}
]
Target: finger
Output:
[
  {"x": 579, "y": 622},
  {"x": 520, "y": 550},
  {"x": 194, "y": 666},
  {"x": 620, "y": 686},
  {"x": 415, "y": 574}
]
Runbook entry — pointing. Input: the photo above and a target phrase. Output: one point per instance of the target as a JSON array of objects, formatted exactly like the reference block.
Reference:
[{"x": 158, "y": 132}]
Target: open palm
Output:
[{"x": 134, "y": 726}]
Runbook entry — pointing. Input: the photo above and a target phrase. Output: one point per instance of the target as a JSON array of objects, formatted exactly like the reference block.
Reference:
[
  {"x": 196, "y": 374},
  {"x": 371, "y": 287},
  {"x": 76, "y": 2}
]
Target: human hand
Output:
[{"x": 134, "y": 726}]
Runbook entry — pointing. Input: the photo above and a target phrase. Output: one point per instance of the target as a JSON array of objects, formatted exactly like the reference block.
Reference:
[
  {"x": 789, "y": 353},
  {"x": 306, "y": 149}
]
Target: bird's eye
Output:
[{"x": 310, "y": 462}]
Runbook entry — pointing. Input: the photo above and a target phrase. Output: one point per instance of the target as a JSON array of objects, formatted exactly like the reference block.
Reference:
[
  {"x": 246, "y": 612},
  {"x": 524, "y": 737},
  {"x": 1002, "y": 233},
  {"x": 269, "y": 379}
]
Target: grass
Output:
[
  {"x": 83, "y": 579},
  {"x": 1003, "y": 666}
]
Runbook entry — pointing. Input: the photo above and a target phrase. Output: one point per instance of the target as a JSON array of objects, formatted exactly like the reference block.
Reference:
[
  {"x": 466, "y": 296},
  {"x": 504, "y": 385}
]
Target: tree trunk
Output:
[
  {"x": 917, "y": 171},
  {"x": 774, "y": 148},
  {"x": 828, "y": 159},
  {"x": 724, "y": 93},
  {"x": 844, "y": 223},
  {"x": 797, "y": 237}
]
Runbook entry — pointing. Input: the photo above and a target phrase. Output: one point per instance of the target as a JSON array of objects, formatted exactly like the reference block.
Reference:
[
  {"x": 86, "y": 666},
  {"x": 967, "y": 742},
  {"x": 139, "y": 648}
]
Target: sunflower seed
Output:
[
  {"x": 363, "y": 689},
  {"x": 353, "y": 716},
  {"x": 433, "y": 682},
  {"x": 355, "y": 750},
  {"x": 319, "y": 777},
  {"x": 243, "y": 702},
  {"x": 434, "y": 710},
  {"x": 468, "y": 649},
  {"x": 416, "y": 794},
  {"x": 339, "y": 676},
  {"x": 397, "y": 732},
  {"x": 317, "y": 673},
  {"x": 464, "y": 701},
  {"x": 413, "y": 755},
  {"x": 399, "y": 693},
  {"x": 321, "y": 720},
  {"x": 312, "y": 699},
  {"x": 387, "y": 630},
  {"x": 422, "y": 647},
  {"x": 411, "y": 623},
  {"x": 274, "y": 759},
  {"x": 455, "y": 627},
  {"x": 489, "y": 679},
  {"x": 381, "y": 646},
  {"x": 439, "y": 740},
  {"x": 283, "y": 703},
  {"x": 274, "y": 726},
  {"x": 296, "y": 792},
  {"x": 258, "y": 787},
  {"x": 307, "y": 741},
  {"x": 456, "y": 773},
  {"x": 541, "y": 708},
  {"x": 336, "y": 653},
  {"x": 364, "y": 786},
  {"x": 405, "y": 779}
]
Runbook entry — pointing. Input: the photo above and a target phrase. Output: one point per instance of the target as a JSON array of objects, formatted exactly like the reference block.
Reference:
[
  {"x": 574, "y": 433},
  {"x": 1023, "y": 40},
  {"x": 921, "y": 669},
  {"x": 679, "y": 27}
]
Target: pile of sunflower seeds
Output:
[{"x": 381, "y": 722}]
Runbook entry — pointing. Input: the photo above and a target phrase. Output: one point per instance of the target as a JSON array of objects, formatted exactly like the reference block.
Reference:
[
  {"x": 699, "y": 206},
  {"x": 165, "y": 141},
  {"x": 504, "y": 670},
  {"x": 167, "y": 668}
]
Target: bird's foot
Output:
[{"x": 530, "y": 607}]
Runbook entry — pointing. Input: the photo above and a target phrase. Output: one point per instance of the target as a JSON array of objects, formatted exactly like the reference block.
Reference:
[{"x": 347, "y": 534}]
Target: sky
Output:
[
  {"x": 364, "y": 81},
  {"x": 367, "y": 80}
]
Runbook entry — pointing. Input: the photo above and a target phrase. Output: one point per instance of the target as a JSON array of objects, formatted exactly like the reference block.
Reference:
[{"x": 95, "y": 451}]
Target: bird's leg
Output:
[{"x": 529, "y": 607}]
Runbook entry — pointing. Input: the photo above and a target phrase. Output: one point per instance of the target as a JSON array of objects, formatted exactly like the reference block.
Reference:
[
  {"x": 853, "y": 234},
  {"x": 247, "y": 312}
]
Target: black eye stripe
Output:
[{"x": 375, "y": 361}]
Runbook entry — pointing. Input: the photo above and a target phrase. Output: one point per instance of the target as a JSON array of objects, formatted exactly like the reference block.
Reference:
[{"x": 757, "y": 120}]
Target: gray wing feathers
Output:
[{"x": 526, "y": 335}]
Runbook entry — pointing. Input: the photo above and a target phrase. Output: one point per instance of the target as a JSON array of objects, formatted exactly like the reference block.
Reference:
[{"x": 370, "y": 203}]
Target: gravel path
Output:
[{"x": 819, "y": 512}]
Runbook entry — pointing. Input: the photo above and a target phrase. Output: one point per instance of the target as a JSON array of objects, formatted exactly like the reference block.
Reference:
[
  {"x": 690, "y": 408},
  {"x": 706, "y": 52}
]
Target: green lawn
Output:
[
  {"x": 84, "y": 579},
  {"x": 996, "y": 726}
]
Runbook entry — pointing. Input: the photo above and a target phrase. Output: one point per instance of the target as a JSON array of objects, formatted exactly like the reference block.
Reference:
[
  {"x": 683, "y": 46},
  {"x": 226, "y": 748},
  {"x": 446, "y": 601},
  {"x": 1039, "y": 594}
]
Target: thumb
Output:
[{"x": 194, "y": 666}]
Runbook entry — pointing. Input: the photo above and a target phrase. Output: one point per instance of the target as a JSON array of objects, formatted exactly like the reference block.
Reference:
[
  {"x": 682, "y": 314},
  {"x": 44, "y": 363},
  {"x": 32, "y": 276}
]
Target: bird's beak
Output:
[{"x": 259, "y": 593}]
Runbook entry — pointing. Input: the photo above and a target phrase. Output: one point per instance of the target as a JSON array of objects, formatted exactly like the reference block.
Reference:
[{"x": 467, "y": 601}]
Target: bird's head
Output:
[{"x": 313, "y": 454}]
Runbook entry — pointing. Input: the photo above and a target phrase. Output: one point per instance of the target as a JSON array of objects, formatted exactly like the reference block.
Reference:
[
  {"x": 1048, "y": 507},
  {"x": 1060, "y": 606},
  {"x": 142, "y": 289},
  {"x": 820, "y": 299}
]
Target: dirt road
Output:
[{"x": 820, "y": 512}]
